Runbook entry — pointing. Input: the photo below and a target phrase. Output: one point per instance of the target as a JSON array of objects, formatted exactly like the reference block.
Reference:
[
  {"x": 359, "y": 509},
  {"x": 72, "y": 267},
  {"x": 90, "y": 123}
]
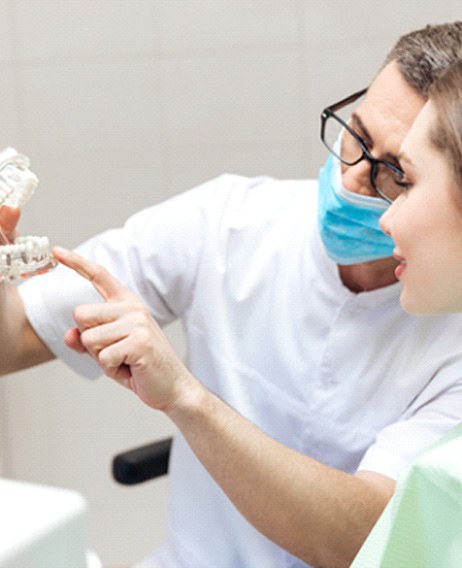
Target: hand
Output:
[
  {"x": 9, "y": 218},
  {"x": 124, "y": 338}
]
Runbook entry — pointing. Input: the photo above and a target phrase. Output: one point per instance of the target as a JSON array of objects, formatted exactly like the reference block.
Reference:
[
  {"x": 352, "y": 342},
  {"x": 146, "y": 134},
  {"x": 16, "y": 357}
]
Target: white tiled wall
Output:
[{"x": 121, "y": 103}]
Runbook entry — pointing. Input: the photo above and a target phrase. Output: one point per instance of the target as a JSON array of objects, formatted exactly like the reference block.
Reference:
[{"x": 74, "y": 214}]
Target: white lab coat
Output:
[{"x": 349, "y": 379}]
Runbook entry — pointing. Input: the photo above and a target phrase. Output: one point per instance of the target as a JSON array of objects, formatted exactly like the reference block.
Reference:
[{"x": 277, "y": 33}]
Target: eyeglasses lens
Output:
[
  {"x": 341, "y": 142},
  {"x": 347, "y": 148},
  {"x": 388, "y": 182}
]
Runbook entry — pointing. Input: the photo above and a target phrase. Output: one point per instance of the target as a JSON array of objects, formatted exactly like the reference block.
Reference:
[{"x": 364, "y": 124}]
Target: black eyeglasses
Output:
[{"x": 346, "y": 145}]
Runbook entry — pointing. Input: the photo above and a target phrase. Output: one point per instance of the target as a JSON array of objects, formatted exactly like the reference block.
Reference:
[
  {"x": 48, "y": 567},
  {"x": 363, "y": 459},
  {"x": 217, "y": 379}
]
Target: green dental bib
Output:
[{"x": 422, "y": 525}]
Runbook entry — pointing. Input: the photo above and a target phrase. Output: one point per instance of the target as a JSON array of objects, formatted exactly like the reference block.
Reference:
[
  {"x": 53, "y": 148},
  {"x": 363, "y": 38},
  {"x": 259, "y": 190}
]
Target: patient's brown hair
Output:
[{"x": 445, "y": 133}]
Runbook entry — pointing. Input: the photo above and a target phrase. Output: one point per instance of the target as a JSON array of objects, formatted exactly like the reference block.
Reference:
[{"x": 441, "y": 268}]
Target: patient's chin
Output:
[{"x": 415, "y": 306}]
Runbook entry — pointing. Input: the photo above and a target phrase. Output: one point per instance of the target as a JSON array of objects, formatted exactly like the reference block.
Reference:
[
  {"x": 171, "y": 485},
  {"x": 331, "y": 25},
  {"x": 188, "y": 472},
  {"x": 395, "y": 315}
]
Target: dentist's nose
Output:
[{"x": 357, "y": 178}]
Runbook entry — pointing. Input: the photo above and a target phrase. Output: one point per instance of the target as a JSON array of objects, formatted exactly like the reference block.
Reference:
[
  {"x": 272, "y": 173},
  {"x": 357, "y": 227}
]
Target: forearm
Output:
[
  {"x": 20, "y": 347},
  {"x": 315, "y": 512}
]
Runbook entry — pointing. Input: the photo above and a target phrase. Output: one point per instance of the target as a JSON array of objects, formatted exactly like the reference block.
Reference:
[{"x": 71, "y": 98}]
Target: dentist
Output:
[{"x": 307, "y": 389}]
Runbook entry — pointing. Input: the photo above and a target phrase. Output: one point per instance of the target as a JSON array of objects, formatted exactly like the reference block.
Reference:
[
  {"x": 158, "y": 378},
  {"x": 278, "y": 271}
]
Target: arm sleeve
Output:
[
  {"x": 156, "y": 254},
  {"x": 397, "y": 445}
]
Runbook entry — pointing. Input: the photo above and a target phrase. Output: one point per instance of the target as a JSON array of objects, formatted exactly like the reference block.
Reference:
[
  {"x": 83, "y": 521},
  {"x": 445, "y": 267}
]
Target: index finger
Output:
[{"x": 105, "y": 284}]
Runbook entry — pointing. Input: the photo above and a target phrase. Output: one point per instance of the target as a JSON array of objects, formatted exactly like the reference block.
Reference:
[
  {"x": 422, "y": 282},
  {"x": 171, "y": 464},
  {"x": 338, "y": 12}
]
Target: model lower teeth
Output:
[{"x": 26, "y": 256}]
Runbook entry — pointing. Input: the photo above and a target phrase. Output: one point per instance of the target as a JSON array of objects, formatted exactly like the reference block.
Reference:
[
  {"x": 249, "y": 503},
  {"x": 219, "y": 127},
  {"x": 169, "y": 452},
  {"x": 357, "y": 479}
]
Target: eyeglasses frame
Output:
[{"x": 329, "y": 112}]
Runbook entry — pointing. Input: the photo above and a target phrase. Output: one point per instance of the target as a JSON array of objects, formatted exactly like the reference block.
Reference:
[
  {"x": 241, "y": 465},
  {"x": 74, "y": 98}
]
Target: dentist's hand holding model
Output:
[{"x": 9, "y": 218}]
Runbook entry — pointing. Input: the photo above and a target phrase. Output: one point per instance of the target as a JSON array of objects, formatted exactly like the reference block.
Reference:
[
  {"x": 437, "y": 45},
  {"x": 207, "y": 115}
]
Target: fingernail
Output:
[
  {"x": 8, "y": 208},
  {"x": 61, "y": 251}
]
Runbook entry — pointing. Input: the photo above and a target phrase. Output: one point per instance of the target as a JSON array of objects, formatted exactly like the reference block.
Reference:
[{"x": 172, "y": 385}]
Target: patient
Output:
[
  {"x": 425, "y": 221},
  {"x": 421, "y": 525}
]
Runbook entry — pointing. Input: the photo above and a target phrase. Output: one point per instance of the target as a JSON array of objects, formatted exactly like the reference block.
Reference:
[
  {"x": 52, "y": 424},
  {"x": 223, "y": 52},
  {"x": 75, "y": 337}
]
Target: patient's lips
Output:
[
  {"x": 26, "y": 256},
  {"x": 401, "y": 266}
]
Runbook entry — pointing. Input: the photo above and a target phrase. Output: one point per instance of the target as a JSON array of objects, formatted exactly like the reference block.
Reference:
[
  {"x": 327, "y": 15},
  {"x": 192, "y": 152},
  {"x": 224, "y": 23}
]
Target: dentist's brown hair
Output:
[{"x": 424, "y": 54}]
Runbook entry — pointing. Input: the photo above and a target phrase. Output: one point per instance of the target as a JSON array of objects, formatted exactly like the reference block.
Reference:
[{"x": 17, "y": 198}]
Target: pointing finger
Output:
[{"x": 104, "y": 283}]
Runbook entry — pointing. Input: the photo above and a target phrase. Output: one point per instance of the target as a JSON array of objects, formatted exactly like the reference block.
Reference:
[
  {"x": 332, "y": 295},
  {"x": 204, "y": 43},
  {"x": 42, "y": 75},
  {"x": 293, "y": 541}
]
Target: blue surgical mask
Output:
[{"x": 349, "y": 222}]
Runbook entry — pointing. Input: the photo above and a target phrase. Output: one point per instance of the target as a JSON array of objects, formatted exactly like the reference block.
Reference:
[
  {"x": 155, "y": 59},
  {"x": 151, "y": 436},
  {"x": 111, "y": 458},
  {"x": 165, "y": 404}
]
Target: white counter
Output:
[{"x": 42, "y": 527}]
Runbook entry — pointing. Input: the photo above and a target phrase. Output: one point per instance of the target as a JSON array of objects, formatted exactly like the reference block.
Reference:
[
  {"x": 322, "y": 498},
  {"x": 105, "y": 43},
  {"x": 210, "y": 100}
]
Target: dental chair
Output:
[{"x": 143, "y": 463}]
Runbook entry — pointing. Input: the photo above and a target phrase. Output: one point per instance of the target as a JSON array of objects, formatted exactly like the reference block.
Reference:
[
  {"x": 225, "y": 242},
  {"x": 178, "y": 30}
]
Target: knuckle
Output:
[
  {"x": 103, "y": 359},
  {"x": 136, "y": 307},
  {"x": 81, "y": 314},
  {"x": 140, "y": 321},
  {"x": 78, "y": 313},
  {"x": 107, "y": 363},
  {"x": 98, "y": 273},
  {"x": 87, "y": 338},
  {"x": 137, "y": 313},
  {"x": 143, "y": 337}
]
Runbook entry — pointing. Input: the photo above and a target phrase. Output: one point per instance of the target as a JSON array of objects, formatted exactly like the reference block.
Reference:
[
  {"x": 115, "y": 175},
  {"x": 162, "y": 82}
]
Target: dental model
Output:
[{"x": 26, "y": 256}]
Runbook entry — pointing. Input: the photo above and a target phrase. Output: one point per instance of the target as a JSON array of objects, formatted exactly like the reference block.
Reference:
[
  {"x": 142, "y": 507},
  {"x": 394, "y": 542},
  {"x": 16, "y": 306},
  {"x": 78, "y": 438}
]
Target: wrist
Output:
[{"x": 190, "y": 400}]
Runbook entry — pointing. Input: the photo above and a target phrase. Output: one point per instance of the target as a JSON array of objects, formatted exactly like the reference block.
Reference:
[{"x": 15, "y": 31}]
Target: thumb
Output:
[
  {"x": 73, "y": 341},
  {"x": 9, "y": 218}
]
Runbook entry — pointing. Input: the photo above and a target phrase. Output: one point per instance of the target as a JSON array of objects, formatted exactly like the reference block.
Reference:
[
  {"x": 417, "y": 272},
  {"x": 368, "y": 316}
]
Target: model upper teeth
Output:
[{"x": 17, "y": 182}]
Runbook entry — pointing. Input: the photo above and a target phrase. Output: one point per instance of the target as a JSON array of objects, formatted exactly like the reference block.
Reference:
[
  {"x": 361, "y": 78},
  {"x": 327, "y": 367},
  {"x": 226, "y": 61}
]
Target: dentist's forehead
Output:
[{"x": 389, "y": 109}]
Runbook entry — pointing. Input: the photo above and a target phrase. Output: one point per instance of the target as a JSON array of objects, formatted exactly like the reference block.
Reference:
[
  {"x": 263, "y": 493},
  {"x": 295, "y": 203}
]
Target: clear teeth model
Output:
[{"x": 26, "y": 256}]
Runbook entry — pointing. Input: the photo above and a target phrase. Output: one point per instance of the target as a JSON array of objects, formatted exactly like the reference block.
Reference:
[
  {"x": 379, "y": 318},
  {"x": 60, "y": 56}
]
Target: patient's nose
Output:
[{"x": 386, "y": 220}]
